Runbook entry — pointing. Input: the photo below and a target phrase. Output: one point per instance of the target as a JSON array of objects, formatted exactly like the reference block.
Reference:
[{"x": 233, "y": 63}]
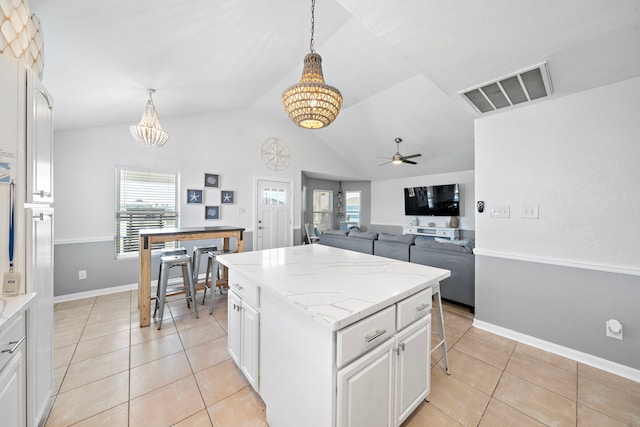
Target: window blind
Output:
[{"x": 144, "y": 200}]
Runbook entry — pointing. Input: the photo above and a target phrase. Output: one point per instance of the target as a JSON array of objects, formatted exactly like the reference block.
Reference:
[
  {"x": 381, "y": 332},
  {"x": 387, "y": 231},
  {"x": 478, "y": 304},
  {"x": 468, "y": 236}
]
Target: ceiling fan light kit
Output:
[
  {"x": 149, "y": 132},
  {"x": 398, "y": 158},
  {"x": 311, "y": 103}
]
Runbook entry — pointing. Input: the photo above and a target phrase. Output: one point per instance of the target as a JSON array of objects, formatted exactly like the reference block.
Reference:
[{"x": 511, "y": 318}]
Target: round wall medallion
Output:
[{"x": 275, "y": 154}]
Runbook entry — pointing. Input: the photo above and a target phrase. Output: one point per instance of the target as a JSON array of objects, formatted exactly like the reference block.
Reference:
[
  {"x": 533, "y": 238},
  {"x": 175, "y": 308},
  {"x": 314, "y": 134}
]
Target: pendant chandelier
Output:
[
  {"x": 149, "y": 132},
  {"x": 312, "y": 104}
]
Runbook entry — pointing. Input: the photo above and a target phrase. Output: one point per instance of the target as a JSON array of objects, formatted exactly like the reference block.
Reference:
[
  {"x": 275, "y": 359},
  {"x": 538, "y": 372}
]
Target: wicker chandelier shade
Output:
[
  {"x": 311, "y": 103},
  {"x": 149, "y": 132}
]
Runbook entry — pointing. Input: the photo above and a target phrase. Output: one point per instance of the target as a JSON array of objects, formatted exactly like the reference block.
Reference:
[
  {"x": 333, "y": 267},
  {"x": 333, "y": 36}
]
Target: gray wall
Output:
[
  {"x": 563, "y": 305},
  {"x": 104, "y": 271}
]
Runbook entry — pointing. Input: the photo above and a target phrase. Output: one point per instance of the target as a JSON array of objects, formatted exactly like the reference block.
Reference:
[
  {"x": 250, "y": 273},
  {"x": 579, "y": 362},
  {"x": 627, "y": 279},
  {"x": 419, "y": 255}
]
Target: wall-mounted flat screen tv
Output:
[{"x": 433, "y": 200}]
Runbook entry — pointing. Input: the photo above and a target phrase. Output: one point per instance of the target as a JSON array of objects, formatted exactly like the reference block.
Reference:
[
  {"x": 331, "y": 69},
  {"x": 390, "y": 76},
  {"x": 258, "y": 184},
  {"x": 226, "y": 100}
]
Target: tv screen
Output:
[{"x": 433, "y": 200}]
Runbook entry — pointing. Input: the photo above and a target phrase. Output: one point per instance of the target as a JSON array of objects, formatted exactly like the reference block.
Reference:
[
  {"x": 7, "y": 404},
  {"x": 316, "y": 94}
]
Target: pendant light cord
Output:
[{"x": 313, "y": 24}]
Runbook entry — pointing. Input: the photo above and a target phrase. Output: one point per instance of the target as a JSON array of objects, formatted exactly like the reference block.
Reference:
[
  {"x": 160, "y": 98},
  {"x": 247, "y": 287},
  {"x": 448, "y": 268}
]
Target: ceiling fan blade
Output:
[
  {"x": 411, "y": 156},
  {"x": 411, "y": 162},
  {"x": 385, "y": 163}
]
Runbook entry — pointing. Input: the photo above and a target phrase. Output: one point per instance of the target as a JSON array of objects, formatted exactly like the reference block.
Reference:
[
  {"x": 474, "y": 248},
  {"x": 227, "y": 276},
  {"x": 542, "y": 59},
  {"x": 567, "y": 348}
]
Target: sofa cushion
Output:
[
  {"x": 407, "y": 239},
  {"x": 424, "y": 242},
  {"x": 369, "y": 235},
  {"x": 335, "y": 232}
]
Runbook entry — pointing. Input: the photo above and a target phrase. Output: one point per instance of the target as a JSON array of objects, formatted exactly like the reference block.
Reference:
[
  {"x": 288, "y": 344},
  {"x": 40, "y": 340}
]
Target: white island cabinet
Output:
[{"x": 331, "y": 337}]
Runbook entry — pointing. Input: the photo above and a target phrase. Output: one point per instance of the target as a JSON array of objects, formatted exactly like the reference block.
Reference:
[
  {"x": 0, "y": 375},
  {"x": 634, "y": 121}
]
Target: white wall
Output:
[
  {"x": 578, "y": 159},
  {"x": 387, "y": 199},
  {"x": 227, "y": 144},
  {"x": 561, "y": 277}
]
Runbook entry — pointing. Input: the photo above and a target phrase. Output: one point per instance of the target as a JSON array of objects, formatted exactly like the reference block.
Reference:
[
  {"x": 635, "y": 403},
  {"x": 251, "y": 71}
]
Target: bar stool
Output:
[
  {"x": 435, "y": 289},
  {"x": 166, "y": 262},
  {"x": 198, "y": 252},
  {"x": 170, "y": 252},
  {"x": 213, "y": 271}
]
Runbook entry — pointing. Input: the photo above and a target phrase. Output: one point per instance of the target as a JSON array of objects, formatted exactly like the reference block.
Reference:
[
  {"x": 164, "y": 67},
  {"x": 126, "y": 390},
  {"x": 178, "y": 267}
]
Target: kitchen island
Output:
[{"x": 330, "y": 337}]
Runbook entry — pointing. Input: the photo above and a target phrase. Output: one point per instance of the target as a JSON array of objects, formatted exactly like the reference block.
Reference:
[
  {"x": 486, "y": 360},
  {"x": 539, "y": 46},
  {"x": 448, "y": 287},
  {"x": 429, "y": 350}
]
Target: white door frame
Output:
[{"x": 256, "y": 202}]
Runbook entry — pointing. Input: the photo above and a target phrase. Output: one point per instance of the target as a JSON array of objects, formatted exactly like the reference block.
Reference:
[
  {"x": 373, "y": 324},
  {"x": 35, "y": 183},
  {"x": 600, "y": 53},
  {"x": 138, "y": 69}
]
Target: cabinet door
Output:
[
  {"x": 39, "y": 142},
  {"x": 365, "y": 390},
  {"x": 249, "y": 352},
  {"x": 413, "y": 367},
  {"x": 234, "y": 305},
  {"x": 13, "y": 405}
]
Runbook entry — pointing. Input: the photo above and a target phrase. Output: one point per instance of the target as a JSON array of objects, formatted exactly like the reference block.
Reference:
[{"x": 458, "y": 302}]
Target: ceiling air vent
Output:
[{"x": 524, "y": 86}]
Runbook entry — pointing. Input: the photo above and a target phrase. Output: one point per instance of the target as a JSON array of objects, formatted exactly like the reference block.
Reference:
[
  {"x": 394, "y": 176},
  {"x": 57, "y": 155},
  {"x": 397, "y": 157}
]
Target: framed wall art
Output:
[
  {"x": 227, "y": 197},
  {"x": 212, "y": 212},
  {"x": 211, "y": 180},
  {"x": 194, "y": 197}
]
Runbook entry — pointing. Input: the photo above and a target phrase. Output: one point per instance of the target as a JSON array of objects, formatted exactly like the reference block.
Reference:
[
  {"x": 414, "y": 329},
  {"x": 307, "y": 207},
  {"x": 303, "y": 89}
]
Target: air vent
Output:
[{"x": 514, "y": 89}]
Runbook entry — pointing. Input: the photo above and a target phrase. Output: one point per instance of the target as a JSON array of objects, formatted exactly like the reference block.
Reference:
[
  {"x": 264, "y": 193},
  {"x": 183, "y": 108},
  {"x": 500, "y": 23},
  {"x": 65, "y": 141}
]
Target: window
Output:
[
  {"x": 353, "y": 206},
  {"x": 143, "y": 200},
  {"x": 323, "y": 209}
]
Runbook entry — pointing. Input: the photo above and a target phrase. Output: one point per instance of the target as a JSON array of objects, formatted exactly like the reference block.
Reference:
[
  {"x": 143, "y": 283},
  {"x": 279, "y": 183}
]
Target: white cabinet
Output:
[
  {"x": 413, "y": 368},
  {"x": 13, "y": 403},
  {"x": 443, "y": 232},
  {"x": 39, "y": 142},
  {"x": 365, "y": 389},
  {"x": 244, "y": 327}
]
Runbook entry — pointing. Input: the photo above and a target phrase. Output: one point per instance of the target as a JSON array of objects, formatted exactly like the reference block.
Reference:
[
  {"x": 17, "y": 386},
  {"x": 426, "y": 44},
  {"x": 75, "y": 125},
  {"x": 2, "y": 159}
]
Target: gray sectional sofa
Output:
[{"x": 458, "y": 258}]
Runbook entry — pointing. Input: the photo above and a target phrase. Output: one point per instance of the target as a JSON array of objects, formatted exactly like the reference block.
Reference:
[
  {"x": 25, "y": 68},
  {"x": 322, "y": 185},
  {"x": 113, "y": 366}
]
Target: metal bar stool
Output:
[
  {"x": 198, "y": 252},
  {"x": 435, "y": 289},
  {"x": 170, "y": 252},
  {"x": 166, "y": 262},
  {"x": 213, "y": 271}
]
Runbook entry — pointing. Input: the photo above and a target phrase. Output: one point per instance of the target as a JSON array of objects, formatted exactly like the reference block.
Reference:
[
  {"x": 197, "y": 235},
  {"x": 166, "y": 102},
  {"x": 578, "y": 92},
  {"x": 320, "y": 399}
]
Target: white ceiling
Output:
[{"x": 398, "y": 64}]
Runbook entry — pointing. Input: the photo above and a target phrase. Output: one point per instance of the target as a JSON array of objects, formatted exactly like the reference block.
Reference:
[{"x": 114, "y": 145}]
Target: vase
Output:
[{"x": 454, "y": 222}]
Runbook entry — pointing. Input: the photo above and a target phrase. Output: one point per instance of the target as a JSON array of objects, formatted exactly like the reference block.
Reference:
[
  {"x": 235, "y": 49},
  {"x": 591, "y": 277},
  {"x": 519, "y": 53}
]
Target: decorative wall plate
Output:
[{"x": 275, "y": 154}]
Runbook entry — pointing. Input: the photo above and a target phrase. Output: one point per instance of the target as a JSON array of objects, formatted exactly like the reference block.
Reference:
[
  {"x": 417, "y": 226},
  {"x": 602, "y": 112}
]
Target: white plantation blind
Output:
[{"x": 144, "y": 200}]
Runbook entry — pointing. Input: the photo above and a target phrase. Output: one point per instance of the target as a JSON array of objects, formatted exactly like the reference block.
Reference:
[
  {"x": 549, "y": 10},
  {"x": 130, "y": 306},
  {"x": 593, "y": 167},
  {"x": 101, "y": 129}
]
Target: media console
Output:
[{"x": 444, "y": 232}]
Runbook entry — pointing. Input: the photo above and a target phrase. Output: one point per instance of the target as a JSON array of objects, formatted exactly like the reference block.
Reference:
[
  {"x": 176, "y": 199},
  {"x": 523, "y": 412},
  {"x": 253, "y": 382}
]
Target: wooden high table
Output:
[{"x": 150, "y": 236}]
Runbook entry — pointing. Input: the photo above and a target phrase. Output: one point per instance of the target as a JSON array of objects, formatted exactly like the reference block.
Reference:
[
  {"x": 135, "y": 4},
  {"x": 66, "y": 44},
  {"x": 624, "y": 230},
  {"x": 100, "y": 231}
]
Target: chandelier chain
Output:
[{"x": 313, "y": 23}]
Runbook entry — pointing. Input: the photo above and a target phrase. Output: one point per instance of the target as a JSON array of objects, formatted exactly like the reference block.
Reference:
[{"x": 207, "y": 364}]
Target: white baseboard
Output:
[
  {"x": 578, "y": 356},
  {"x": 112, "y": 290}
]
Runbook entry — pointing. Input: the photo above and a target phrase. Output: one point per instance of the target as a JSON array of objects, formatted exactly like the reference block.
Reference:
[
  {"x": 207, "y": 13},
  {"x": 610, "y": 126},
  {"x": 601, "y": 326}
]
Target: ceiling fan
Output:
[{"x": 399, "y": 158}]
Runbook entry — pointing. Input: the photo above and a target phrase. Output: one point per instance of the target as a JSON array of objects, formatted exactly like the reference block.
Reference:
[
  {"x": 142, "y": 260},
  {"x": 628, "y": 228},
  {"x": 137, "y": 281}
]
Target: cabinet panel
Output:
[
  {"x": 250, "y": 352},
  {"x": 234, "y": 321},
  {"x": 364, "y": 335},
  {"x": 13, "y": 406},
  {"x": 39, "y": 142},
  {"x": 365, "y": 390},
  {"x": 413, "y": 367}
]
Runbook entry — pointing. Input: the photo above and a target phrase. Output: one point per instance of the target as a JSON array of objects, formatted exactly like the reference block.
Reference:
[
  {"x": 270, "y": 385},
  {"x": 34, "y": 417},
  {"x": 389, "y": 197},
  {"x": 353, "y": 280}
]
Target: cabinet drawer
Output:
[
  {"x": 413, "y": 308},
  {"x": 444, "y": 233},
  {"x": 9, "y": 338},
  {"x": 364, "y": 335},
  {"x": 244, "y": 288}
]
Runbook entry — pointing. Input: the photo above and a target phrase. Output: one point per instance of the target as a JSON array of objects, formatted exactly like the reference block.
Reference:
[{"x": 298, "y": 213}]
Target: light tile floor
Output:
[{"x": 110, "y": 372}]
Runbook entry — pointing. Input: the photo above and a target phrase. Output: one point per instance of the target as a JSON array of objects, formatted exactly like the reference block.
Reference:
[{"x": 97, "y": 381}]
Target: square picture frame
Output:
[
  {"x": 194, "y": 197},
  {"x": 211, "y": 180},
  {"x": 227, "y": 197},
  {"x": 212, "y": 212}
]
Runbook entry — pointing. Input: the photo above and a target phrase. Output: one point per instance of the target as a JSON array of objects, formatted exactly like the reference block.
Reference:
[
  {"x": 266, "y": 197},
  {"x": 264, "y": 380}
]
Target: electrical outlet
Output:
[
  {"x": 614, "y": 329},
  {"x": 500, "y": 212},
  {"x": 82, "y": 274}
]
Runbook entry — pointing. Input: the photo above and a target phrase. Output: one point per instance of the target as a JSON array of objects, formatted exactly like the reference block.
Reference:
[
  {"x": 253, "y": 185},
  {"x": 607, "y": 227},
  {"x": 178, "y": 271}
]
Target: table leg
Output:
[{"x": 144, "y": 284}]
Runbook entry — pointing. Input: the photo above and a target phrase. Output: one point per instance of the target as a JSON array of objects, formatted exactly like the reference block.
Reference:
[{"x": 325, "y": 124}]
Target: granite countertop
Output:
[
  {"x": 13, "y": 306},
  {"x": 334, "y": 286}
]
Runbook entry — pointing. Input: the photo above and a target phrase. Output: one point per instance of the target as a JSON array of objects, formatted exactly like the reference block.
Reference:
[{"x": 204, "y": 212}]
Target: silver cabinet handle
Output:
[
  {"x": 238, "y": 286},
  {"x": 422, "y": 307},
  {"x": 397, "y": 350},
  {"x": 375, "y": 335},
  {"x": 16, "y": 344},
  {"x": 401, "y": 345}
]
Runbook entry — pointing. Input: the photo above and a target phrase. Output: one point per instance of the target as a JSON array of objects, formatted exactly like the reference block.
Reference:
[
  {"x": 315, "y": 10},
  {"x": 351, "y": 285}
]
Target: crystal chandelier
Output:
[
  {"x": 149, "y": 132},
  {"x": 312, "y": 104}
]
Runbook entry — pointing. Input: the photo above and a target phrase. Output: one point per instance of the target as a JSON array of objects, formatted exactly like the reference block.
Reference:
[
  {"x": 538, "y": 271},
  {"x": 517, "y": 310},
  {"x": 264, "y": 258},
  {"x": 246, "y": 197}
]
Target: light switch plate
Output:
[
  {"x": 529, "y": 211},
  {"x": 500, "y": 212}
]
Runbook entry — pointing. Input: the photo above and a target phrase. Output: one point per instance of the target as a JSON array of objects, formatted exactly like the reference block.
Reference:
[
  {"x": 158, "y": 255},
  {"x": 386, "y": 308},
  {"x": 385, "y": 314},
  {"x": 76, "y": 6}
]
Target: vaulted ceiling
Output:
[{"x": 400, "y": 65}]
